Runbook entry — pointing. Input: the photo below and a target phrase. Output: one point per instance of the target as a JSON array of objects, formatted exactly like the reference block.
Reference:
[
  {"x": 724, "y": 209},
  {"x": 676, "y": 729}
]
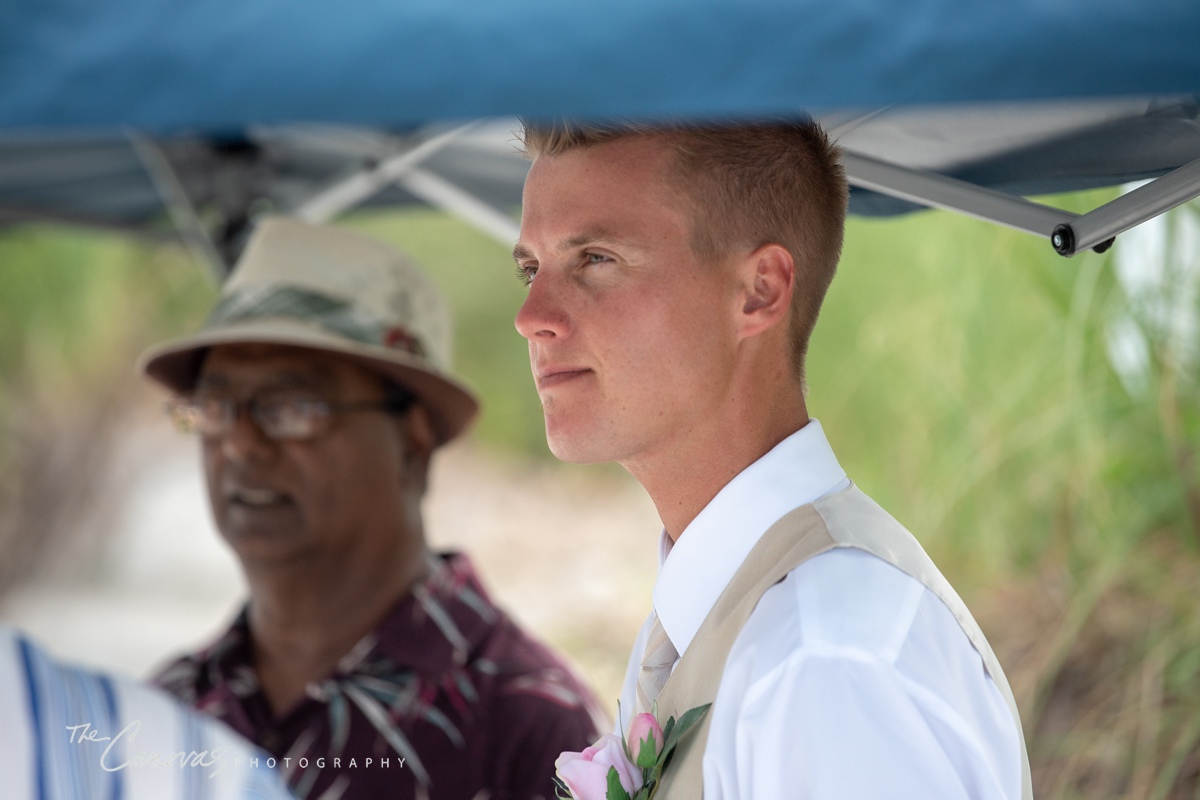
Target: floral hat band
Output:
[{"x": 336, "y": 316}]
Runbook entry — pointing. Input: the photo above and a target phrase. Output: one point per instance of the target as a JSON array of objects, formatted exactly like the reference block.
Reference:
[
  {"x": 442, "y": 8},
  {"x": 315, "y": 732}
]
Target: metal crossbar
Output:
[{"x": 350, "y": 192}]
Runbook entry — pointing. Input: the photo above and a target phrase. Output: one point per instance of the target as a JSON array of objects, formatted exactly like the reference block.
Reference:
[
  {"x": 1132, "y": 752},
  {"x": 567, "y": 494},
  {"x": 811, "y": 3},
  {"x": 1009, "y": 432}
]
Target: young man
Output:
[
  {"x": 675, "y": 276},
  {"x": 369, "y": 666}
]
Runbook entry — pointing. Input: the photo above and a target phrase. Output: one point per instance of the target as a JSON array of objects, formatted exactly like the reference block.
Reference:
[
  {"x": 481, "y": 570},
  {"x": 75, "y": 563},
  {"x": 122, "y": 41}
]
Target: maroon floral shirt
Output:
[{"x": 446, "y": 699}]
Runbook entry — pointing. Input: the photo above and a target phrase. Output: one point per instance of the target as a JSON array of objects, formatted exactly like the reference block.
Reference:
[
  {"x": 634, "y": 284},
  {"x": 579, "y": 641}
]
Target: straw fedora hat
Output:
[{"x": 339, "y": 292}]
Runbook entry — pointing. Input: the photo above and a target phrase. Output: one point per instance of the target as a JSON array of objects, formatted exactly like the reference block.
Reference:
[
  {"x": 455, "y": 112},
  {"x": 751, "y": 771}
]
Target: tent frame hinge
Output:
[
  {"x": 1097, "y": 228},
  {"x": 1067, "y": 232}
]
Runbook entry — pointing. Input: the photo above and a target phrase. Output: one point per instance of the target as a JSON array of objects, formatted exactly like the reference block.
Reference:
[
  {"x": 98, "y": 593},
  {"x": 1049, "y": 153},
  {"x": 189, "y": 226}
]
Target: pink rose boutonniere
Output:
[{"x": 613, "y": 769}]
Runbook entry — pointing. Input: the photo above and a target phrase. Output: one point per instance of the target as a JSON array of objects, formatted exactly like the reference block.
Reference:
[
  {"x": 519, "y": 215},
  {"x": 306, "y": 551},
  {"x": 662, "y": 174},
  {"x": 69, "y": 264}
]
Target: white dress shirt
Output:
[{"x": 849, "y": 680}]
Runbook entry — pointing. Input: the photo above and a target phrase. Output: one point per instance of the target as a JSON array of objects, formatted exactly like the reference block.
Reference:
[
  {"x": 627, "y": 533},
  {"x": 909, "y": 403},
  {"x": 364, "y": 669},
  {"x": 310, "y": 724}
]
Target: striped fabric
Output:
[{"x": 72, "y": 734}]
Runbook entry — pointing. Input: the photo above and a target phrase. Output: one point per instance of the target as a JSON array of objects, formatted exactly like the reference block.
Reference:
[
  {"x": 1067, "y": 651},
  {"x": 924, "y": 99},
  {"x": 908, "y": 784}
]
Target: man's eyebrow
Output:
[
  {"x": 597, "y": 236},
  {"x": 208, "y": 381},
  {"x": 319, "y": 376}
]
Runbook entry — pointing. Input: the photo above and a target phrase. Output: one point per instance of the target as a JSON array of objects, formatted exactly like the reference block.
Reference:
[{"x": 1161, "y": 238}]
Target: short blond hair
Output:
[{"x": 747, "y": 185}]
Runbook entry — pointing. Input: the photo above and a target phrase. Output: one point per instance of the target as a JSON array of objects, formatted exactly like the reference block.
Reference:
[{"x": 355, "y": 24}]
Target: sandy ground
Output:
[{"x": 570, "y": 552}]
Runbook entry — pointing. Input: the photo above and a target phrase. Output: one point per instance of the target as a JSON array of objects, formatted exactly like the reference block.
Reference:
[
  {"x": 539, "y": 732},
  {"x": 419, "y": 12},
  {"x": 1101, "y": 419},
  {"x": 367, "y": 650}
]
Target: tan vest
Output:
[{"x": 845, "y": 519}]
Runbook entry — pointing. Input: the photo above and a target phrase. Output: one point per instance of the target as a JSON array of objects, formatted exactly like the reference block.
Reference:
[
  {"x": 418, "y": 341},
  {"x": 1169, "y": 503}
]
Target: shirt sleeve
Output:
[
  {"x": 220, "y": 764},
  {"x": 845, "y": 724},
  {"x": 82, "y": 733}
]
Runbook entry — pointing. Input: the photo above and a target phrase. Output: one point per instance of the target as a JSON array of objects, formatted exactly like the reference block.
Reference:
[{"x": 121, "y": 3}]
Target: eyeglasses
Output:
[{"x": 280, "y": 416}]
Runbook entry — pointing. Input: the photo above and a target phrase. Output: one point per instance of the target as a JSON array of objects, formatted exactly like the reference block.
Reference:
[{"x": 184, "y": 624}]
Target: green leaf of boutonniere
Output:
[
  {"x": 668, "y": 732},
  {"x": 648, "y": 753},
  {"x": 689, "y": 719},
  {"x": 615, "y": 790},
  {"x": 674, "y": 731}
]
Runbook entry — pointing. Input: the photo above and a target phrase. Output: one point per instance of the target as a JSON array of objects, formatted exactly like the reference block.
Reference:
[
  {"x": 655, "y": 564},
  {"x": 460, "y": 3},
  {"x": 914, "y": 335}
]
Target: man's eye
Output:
[
  {"x": 291, "y": 407},
  {"x": 525, "y": 273},
  {"x": 595, "y": 258}
]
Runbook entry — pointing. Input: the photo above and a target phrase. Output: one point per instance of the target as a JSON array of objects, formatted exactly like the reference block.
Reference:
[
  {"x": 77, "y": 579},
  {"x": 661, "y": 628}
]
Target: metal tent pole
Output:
[
  {"x": 347, "y": 193},
  {"x": 1100, "y": 225},
  {"x": 441, "y": 193},
  {"x": 952, "y": 194}
]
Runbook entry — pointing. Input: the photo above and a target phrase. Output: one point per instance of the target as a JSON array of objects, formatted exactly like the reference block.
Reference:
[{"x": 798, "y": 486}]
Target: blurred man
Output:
[
  {"x": 76, "y": 734},
  {"x": 675, "y": 276},
  {"x": 369, "y": 666}
]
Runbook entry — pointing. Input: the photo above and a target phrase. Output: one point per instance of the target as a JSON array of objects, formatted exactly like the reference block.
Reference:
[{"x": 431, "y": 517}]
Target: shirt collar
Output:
[{"x": 694, "y": 570}]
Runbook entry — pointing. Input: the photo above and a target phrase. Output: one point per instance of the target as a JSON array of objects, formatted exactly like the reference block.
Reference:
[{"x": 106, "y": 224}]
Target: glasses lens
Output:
[
  {"x": 290, "y": 416},
  {"x": 184, "y": 415},
  {"x": 199, "y": 415}
]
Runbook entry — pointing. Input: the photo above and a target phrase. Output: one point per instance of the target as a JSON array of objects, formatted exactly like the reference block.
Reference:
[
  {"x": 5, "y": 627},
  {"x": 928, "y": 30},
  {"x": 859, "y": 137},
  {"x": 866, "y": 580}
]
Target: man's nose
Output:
[
  {"x": 245, "y": 441},
  {"x": 543, "y": 315}
]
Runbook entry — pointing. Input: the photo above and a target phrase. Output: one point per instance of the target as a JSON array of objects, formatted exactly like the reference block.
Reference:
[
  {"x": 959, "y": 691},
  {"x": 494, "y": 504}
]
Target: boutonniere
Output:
[{"x": 624, "y": 769}]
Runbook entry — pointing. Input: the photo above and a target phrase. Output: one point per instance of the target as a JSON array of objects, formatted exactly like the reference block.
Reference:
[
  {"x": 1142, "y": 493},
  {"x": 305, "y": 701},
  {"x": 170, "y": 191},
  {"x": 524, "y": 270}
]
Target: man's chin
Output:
[
  {"x": 574, "y": 448},
  {"x": 262, "y": 545}
]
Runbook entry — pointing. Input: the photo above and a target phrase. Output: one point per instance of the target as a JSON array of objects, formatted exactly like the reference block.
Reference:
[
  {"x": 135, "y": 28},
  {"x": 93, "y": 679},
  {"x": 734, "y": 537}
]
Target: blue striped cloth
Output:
[{"x": 71, "y": 734}]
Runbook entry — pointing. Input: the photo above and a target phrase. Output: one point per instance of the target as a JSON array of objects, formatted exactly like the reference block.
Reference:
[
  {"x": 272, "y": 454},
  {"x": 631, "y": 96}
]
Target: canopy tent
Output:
[{"x": 128, "y": 112}]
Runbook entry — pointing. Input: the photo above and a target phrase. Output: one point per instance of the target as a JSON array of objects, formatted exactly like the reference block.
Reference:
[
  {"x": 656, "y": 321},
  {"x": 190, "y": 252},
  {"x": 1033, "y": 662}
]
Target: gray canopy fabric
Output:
[{"x": 163, "y": 187}]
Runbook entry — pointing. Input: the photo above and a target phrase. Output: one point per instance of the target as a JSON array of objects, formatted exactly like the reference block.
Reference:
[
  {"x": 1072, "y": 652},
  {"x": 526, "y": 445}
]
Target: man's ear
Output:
[
  {"x": 768, "y": 277},
  {"x": 420, "y": 440}
]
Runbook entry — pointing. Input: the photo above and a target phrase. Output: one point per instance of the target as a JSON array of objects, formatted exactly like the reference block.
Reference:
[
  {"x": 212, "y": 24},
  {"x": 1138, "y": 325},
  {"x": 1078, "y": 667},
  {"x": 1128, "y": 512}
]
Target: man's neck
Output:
[
  {"x": 683, "y": 478},
  {"x": 304, "y": 618}
]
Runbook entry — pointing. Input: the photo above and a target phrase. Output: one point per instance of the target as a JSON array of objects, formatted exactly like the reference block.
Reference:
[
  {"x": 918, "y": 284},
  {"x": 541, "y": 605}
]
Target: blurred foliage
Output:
[
  {"x": 966, "y": 378},
  {"x": 72, "y": 302},
  {"x": 75, "y": 309}
]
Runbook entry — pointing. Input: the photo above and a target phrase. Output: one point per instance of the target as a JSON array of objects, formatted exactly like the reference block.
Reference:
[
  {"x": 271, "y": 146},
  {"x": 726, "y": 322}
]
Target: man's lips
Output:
[
  {"x": 556, "y": 376},
  {"x": 256, "y": 497}
]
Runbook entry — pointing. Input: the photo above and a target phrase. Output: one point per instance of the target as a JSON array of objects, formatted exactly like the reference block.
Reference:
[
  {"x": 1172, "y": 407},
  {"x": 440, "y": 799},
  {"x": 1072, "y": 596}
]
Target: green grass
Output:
[
  {"x": 962, "y": 374},
  {"x": 938, "y": 369}
]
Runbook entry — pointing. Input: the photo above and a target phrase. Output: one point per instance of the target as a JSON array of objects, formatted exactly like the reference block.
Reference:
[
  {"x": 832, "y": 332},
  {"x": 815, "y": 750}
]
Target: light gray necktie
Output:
[{"x": 657, "y": 661}]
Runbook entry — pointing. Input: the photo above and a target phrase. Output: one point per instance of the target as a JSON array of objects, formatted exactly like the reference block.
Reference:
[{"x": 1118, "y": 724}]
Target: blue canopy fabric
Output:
[
  {"x": 1019, "y": 97},
  {"x": 168, "y": 66}
]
